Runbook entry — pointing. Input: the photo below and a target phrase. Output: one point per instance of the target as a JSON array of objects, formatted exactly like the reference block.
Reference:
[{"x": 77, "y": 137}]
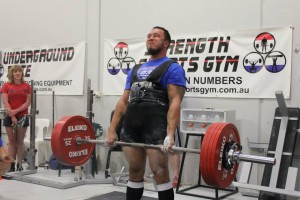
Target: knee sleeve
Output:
[
  {"x": 165, "y": 191},
  {"x": 134, "y": 190}
]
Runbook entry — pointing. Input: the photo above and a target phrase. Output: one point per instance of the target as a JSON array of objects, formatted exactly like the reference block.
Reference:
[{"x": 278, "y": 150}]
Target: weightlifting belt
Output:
[{"x": 145, "y": 91}]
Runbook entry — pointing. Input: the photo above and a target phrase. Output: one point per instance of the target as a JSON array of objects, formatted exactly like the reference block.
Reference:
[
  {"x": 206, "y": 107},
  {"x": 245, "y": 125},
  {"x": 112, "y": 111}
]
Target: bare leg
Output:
[
  {"x": 159, "y": 166},
  {"x": 136, "y": 158},
  {"x": 20, "y": 145},
  {"x": 12, "y": 139},
  {"x": 175, "y": 164},
  {"x": 12, "y": 145}
]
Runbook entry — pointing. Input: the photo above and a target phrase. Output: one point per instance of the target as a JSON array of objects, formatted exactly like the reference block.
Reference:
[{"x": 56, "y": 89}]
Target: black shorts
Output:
[
  {"x": 7, "y": 121},
  {"x": 145, "y": 122}
]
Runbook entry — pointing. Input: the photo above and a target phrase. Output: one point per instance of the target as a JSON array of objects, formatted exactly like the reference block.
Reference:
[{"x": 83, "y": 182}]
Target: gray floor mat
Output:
[{"x": 115, "y": 196}]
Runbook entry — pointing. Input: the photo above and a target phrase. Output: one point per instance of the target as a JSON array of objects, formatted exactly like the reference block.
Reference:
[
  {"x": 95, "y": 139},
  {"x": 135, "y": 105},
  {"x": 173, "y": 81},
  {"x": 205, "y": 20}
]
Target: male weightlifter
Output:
[{"x": 151, "y": 107}]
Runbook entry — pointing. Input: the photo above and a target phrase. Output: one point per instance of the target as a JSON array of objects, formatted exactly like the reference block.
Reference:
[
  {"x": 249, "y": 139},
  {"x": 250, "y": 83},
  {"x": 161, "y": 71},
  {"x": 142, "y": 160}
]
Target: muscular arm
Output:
[
  {"x": 175, "y": 94},
  {"x": 119, "y": 112}
]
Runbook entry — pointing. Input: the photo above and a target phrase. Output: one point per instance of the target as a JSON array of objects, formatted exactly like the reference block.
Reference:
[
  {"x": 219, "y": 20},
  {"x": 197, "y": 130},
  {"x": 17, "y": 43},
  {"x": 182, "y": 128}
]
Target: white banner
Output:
[
  {"x": 237, "y": 64},
  {"x": 58, "y": 68}
]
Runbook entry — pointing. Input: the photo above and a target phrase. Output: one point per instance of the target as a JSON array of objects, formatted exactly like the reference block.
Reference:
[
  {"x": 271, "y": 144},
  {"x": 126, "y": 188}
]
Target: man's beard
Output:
[
  {"x": 153, "y": 52},
  {"x": 156, "y": 51}
]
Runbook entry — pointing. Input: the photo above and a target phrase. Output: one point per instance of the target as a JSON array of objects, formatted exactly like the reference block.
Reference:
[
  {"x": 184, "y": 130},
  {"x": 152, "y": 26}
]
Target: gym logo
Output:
[
  {"x": 121, "y": 61},
  {"x": 273, "y": 61}
]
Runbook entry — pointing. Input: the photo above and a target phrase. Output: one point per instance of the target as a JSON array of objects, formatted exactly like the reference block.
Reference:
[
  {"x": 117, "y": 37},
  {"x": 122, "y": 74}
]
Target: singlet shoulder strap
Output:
[
  {"x": 156, "y": 75},
  {"x": 134, "y": 77}
]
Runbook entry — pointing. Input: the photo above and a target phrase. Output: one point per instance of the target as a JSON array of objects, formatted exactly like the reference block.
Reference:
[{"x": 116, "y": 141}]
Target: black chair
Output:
[{"x": 116, "y": 148}]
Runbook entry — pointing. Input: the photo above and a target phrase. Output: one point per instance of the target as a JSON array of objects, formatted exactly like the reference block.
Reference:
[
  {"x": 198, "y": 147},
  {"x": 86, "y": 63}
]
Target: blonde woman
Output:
[{"x": 16, "y": 97}]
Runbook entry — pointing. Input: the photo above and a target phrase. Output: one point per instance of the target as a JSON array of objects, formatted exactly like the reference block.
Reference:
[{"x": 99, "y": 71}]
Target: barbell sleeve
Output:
[{"x": 238, "y": 156}]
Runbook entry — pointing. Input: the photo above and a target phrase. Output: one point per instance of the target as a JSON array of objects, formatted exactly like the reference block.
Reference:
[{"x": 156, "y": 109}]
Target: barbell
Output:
[{"x": 73, "y": 142}]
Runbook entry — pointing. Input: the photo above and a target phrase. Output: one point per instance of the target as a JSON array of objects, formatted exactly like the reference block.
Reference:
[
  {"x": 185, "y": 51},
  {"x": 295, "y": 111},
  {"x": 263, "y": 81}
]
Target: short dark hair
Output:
[{"x": 166, "y": 32}]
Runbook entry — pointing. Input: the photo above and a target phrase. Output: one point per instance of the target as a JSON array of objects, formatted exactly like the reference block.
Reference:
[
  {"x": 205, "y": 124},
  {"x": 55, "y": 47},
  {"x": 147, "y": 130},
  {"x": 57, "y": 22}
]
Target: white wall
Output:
[{"x": 39, "y": 22}]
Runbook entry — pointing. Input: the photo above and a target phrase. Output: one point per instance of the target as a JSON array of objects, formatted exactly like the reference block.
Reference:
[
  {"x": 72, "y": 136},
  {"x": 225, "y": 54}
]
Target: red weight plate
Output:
[
  {"x": 222, "y": 177},
  {"x": 203, "y": 152},
  {"x": 211, "y": 154},
  {"x": 205, "y": 149},
  {"x": 63, "y": 140},
  {"x": 211, "y": 149}
]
